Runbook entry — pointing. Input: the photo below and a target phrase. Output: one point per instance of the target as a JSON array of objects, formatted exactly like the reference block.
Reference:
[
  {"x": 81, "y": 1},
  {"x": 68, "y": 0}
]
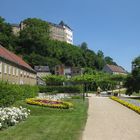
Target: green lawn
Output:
[{"x": 49, "y": 124}]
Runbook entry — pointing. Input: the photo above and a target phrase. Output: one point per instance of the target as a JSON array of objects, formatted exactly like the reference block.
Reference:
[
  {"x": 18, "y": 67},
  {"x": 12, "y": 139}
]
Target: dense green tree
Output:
[
  {"x": 84, "y": 46},
  {"x": 7, "y": 38},
  {"x": 109, "y": 60},
  {"x": 100, "y": 54},
  {"x": 54, "y": 80},
  {"x": 133, "y": 79},
  {"x": 33, "y": 33}
]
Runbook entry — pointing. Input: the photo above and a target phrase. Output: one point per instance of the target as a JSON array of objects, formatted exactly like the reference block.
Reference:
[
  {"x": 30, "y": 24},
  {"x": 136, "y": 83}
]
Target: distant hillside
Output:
[{"x": 36, "y": 47}]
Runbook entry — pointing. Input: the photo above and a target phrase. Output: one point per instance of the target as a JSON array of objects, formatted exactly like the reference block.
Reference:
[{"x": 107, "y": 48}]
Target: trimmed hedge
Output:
[
  {"x": 61, "y": 89},
  {"x": 10, "y": 93},
  {"x": 129, "y": 105}
]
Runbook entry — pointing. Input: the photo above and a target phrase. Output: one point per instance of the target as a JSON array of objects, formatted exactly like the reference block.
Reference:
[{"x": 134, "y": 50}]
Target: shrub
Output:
[
  {"x": 129, "y": 105},
  {"x": 10, "y": 93},
  {"x": 76, "y": 97},
  {"x": 61, "y": 89}
]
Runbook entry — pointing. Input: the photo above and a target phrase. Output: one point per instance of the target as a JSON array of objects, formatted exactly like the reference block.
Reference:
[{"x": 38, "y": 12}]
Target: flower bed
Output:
[
  {"x": 10, "y": 116},
  {"x": 129, "y": 105},
  {"x": 49, "y": 103}
]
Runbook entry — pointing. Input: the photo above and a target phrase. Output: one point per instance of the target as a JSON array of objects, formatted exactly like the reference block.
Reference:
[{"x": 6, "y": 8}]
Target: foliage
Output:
[
  {"x": 61, "y": 89},
  {"x": 54, "y": 79},
  {"x": 76, "y": 97},
  {"x": 7, "y": 37},
  {"x": 84, "y": 46},
  {"x": 129, "y": 105},
  {"x": 109, "y": 60},
  {"x": 43, "y": 121},
  {"x": 103, "y": 80},
  {"x": 133, "y": 79},
  {"x": 49, "y": 103},
  {"x": 10, "y": 93},
  {"x": 10, "y": 116}
]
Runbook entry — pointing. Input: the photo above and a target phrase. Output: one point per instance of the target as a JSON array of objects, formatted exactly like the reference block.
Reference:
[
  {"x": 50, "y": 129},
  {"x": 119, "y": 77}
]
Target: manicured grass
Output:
[{"x": 49, "y": 124}]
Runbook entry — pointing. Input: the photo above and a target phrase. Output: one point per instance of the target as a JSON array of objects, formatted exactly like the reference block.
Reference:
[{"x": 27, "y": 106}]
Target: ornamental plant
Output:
[
  {"x": 129, "y": 105},
  {"x": 49, "y": 103},
  {"x": 10, "y": 116}
]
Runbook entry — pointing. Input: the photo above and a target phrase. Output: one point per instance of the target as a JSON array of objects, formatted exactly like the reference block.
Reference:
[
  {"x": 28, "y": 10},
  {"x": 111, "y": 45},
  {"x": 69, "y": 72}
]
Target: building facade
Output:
[
  {"x": 14, "y": 70},
  {"x": 68, "y": 71},
  {"x": 42, "y": 71},
  {"x": 113, "y": 69},
  {"x": 57, "y": 32}
]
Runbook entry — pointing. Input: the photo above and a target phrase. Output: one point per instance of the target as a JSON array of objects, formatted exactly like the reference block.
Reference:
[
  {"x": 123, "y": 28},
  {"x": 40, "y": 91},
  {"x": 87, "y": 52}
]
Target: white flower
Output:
[{"x": 12, "y": 115}]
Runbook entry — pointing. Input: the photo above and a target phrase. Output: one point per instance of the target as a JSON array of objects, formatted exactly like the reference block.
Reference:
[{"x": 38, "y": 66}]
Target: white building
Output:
[
  {"x": 68, "y": 32},
  {"x": 61, "y": 32}
]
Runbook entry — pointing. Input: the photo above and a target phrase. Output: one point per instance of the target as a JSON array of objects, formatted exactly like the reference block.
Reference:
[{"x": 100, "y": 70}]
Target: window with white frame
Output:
[
  {"x": 5, "y": 68},
  {"x": 13, "y": 71},
  {"x": 0, "y": 67},
  {"x": 24, "y": 73},
  {"x": 17, "y": 72},
  {"x": 9, "y": 70},
  {"x": 21, "y": 73}
]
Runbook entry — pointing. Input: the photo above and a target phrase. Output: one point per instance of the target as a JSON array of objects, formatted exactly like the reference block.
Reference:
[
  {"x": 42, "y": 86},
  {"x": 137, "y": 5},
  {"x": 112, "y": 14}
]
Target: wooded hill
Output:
[{"x": 35, "y": 46}]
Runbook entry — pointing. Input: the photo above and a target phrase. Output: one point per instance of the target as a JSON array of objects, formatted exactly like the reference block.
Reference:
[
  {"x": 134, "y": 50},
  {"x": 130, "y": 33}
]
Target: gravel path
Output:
[{"x": 109, "y": 120}]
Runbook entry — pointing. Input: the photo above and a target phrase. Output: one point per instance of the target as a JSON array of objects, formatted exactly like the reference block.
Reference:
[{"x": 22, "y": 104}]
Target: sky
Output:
[{"x": 112, "y": 26}]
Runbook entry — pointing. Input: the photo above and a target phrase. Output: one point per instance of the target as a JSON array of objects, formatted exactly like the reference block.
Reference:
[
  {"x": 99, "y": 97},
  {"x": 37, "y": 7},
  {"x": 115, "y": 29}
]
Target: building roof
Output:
[
  {"x": 15, "y": 25},
  {"x": 56, "y": 25},
  {"x": 42, "y": 68},
  {"x": 115, "y": 68},
  {"x": 6, "y": 54},
  {"x": 60, "y": 25},
  {"x": 63, "y": 24}
]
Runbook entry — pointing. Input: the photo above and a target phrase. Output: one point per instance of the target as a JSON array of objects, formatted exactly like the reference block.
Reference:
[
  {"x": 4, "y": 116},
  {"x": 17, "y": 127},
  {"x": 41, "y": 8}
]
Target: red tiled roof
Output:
[
  {"x": 6, "y": 54},
  {"x": 114, "y": 68}
]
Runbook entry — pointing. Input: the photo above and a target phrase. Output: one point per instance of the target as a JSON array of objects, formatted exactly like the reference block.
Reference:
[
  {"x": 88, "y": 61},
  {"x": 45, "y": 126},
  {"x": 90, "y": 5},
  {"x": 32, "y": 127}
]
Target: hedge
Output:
[
  {"x": 61, "y": 89},
  {"x": 10, "y": 93}
]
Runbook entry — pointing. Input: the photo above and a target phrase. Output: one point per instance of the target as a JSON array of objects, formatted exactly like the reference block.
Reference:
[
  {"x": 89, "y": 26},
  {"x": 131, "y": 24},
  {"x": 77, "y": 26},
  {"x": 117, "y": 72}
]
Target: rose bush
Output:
[{"x": 10, "y": 116}]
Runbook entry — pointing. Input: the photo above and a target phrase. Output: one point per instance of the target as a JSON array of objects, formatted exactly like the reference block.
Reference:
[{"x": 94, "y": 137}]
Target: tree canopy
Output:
[
  {"x": 133, "y": 79},
  {"x": 37, "y": 48},
  {"x": 7, "y": 38}
]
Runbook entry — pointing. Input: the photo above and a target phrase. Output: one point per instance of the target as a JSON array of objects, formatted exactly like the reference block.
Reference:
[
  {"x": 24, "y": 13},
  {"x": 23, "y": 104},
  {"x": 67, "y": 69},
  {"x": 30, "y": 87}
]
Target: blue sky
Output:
[{"x": 112, "y": 26}]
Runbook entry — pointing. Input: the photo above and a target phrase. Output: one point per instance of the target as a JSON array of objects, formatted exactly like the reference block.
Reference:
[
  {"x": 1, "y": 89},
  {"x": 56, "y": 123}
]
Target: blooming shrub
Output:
[
  {"x": 129, "y": 105},
  {"x": 49, "y": 103},
  {"x": 10, "y": 116}
]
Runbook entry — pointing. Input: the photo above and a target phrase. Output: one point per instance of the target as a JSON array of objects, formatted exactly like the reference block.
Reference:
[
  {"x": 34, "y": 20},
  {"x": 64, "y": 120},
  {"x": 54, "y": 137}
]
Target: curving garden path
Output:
[{"x": 109, "y": 120}]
